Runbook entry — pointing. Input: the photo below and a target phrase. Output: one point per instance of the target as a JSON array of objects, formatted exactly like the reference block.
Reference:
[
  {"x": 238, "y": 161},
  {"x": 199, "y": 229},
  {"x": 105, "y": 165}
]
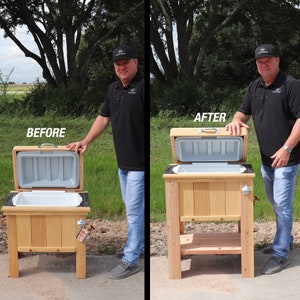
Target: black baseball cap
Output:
[
  {"x": 124, "y": 52},
  {"x": 266, "y": 50}
]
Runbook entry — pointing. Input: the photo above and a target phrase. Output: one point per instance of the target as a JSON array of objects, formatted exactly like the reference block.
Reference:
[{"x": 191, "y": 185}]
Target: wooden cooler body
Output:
[
  {"x": 48, "y": 201},
  {"x": 204, "y": 186}
]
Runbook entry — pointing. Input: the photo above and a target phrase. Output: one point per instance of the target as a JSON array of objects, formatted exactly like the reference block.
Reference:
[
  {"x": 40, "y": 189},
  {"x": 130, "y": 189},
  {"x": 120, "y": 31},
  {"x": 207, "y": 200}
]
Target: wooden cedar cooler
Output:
[
  {"x": 48, "y": 201},
  {"x": 209, "y": 182}
]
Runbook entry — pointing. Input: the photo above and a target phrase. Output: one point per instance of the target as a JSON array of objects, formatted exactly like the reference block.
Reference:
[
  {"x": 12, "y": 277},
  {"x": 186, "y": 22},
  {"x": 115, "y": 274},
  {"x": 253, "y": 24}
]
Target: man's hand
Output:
[
  {"x": 239, "y": 120},
  {"x": 281, "y": 158},
  {"x": 235, "y": 127},
  {"x": 82, "y": 146}
]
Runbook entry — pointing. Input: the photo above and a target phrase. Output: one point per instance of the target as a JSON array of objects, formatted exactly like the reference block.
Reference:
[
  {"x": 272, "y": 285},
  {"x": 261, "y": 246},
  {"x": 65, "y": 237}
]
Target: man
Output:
[
  {"x": 124, "y": 108},
  {"x": 273, "y": 100}
]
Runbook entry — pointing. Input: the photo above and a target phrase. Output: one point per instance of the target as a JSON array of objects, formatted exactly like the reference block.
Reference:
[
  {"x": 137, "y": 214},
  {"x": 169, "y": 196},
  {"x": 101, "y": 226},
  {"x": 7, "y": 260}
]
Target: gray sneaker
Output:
[
  {"x": 123, "y": 270},
  {"x": 275, "y": 265}
]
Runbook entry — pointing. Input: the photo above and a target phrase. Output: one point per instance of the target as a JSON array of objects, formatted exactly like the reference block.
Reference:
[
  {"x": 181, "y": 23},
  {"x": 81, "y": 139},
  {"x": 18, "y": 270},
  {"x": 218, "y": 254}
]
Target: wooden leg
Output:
[
  {"x": 80, "y": 260},
  {"x": 247, "y": 241},
  {"x": 12, "y": 247},
  {"x": 173, "y": 229}
]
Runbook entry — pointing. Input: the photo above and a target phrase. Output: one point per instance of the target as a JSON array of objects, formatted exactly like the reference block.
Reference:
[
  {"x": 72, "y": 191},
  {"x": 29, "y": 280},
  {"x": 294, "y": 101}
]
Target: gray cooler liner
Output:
[
  {"x": 222, "y": 149},
  {"x": 202, "y": 168},
  {"x": 48, "y": 169}
]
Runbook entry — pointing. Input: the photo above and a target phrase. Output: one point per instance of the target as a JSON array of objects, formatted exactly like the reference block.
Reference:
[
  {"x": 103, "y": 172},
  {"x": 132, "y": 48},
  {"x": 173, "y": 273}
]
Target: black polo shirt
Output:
[
  {"x": 125, "y": 108},
  {"x": 274, "y": 110}
]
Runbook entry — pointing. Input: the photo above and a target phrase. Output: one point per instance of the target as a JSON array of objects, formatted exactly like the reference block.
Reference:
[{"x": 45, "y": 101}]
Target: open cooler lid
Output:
[
  {"x": 47, "y": 167},
  {"x": 207, "y": 145}
]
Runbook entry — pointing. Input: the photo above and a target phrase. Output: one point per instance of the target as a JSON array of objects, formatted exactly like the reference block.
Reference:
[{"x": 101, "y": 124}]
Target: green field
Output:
[{"x": 20, "y": 87}]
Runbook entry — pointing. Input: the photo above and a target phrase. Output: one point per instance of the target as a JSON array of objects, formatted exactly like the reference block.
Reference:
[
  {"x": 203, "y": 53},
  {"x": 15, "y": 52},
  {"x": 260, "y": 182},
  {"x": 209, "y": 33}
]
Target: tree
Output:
[
  {"x": 4, "y": 82},
  {"x": 196, "y": 22},
  {"x": 57, "y": 28}
]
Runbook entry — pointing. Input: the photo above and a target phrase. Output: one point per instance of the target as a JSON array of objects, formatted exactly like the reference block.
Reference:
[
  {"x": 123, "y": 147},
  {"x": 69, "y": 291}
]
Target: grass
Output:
[
  {"x": 100, "y": 168},
  {"x": 161, "y": 156}
]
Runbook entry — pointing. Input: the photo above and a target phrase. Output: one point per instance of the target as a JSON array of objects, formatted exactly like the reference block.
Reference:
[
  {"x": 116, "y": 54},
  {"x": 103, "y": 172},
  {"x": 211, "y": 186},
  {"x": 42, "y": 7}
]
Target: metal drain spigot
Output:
[
  {"x": 81, "y": 223},
  {"x": 246, "y": 189}
]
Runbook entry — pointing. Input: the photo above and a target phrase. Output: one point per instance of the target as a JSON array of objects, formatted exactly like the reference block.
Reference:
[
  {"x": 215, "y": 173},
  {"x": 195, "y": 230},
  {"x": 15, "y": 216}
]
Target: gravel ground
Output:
[{"x": 110, "y": 236}]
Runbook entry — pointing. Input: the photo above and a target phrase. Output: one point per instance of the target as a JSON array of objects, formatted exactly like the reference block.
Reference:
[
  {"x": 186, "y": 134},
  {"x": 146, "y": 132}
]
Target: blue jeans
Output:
[
  {"x": 132, "y": 188},
  {"x": 280, "y": 187}
]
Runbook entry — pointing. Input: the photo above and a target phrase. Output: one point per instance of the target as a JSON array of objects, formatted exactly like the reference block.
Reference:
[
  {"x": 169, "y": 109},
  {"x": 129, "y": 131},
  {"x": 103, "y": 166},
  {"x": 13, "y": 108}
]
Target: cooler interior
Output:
[
  {"x": 209, "y": 149},
  {"x": 48, "y": 169},
  {"x": 47, "y": 198}
]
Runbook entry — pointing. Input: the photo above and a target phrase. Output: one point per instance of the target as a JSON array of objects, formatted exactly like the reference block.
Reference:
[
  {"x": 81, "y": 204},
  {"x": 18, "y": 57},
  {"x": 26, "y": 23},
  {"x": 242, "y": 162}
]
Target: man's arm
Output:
[
  {"x": 294, "y": 137},
  {"x": 96, "y": 130},
  {"x": 282, "y": 156}
]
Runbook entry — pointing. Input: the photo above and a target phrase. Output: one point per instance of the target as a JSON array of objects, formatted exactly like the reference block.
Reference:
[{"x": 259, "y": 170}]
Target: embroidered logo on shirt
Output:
[
  {"x": 277, "y": 91},
  {"x": 132, "y": 91}
]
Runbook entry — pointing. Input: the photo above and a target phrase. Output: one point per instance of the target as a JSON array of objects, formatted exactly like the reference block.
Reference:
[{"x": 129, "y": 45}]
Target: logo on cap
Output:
[
  {"x": 120, "y": 52},
  {"x": 262, "y": 51}
]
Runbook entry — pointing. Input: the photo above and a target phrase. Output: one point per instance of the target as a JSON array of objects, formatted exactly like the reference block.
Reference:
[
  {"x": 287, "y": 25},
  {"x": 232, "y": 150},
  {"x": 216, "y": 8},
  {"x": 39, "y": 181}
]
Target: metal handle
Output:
[
  {"x": 246, "y": 189},
  {"x": 209, "y": 130},
  {"x": 47, "y": 145}
]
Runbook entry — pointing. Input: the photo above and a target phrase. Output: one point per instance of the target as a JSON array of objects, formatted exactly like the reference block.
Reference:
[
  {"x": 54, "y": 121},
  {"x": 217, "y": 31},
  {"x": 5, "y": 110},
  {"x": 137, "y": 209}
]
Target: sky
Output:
[{"x": 25, "y": 69}]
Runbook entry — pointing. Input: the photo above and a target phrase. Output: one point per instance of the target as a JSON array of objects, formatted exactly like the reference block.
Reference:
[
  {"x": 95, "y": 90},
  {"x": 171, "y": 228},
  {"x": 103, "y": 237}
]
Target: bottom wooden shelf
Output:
[{"x": 210, "y": 243}]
